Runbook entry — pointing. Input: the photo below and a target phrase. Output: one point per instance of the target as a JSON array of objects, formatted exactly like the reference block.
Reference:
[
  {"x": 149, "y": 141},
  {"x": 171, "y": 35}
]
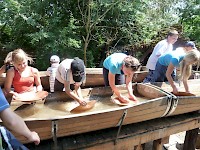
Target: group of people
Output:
[
  {"x": 69, "y": 74},
  {"x": 164, "y": 62}
]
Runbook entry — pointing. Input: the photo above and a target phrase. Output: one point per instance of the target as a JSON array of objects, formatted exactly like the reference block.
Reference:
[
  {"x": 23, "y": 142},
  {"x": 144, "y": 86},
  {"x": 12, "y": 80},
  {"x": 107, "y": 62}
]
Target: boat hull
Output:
[
  {"x": 105, "y": 114},
  {"x": 184, "y": 104}
]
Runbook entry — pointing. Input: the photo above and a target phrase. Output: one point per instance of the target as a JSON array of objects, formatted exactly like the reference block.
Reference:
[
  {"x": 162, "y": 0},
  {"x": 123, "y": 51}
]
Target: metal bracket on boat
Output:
[
  {"x": 173, "y": 105},
  {"x": 120, "y": 125},
  {"x": 54, "y": 128},
  {"x": 169, "y": 103}
]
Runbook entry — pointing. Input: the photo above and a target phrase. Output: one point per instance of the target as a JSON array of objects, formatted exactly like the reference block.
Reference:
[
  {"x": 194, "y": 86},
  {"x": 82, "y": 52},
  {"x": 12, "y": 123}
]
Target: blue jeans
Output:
[
  {"x": 149, "y": 77},
  {"x": 9, "y": 141},
  {"x": 159, "y": 74}
]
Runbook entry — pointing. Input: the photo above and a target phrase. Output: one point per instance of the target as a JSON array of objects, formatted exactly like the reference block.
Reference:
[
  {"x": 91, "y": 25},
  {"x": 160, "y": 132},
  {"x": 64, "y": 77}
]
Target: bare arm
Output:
[
  {"x": 130, "y": 87},
  {"x": 78, "y": 91},
  {"x": 73, "y": 95},
  {"x": 169, "y": 71},
  {"x": 3, "y": 69},
  {"x": 16, "y": 124},
  {"x": 185, "y": 83},
  {"x": 8, "y": 80},
  {"x": 37, "y": 79},
  {"x": 111, "y": 79}
]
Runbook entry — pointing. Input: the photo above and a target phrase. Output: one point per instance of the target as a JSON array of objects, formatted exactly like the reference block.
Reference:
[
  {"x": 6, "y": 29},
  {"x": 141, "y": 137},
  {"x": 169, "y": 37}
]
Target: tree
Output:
[{"x": 190, "y": 20}]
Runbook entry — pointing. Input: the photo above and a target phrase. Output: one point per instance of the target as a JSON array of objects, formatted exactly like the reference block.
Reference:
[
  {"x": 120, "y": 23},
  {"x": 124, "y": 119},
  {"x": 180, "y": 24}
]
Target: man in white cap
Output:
[
  {"x": 51, "y": 71},
  {"x": 70, "y": 75}
]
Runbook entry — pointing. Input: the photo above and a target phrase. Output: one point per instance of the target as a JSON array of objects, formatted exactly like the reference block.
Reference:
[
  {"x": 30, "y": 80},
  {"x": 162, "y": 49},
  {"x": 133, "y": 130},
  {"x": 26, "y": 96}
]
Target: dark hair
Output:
[
  {"x": 131, "y": 62},
  {"x": 172, "y": 32}
]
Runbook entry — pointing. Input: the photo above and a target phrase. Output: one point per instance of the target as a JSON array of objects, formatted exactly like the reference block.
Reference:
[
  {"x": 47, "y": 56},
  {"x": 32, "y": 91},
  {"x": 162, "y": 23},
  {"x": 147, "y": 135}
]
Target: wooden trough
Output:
[
  {"x": 52, "y": 118},
  {"x": 183, "y": 104}
]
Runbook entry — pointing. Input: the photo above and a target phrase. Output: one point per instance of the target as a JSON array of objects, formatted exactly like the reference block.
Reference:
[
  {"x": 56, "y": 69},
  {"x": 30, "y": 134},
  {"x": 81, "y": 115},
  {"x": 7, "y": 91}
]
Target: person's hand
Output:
[
  {"x": 123, "y": 99},
  {"x": 34, "y": 137},
  {"x": 175, "y": 90},
  {"x": 133, "y": 98},
  {"x": 39, "y": 88},
  {"x": 187, "y": 91},
  {"x": 83, "y": 103},
  {"x": 15, "y": 95}
]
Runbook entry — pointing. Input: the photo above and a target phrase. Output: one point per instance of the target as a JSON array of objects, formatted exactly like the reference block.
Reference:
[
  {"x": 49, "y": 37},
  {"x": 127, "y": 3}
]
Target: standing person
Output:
[
  {"x": 115, "y": 68},
  {"x": 7, "y": 63},
  {"x": 15, "y": 123},
  {"x": 70, "y": 75},
  {"x": 51, "y": 71},
  {"x": 169, "y": 61},
  {"x": 22, "y": 77},
  {"x": 161, "y": 48}
]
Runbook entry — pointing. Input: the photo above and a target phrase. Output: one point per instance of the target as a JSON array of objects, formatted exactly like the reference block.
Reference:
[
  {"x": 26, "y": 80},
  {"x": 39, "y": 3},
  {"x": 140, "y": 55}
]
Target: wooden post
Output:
[
  {"x": 190, "y": 139},
  {"x": 158, "y": 144},
  {"x": 139, "y": 147}
]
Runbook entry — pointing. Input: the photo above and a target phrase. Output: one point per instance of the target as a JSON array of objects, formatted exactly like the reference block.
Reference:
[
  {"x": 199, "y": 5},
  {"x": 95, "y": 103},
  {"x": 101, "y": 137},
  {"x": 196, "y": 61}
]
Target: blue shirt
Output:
[
  {"x": 3, "y": 102},
  {"x": 174, "y": 57},
  {"x": 114, "y": 63}
]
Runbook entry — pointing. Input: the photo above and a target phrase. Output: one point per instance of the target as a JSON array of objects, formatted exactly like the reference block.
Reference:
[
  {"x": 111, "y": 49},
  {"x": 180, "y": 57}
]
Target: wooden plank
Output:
[
  {"x": 139, "y": 133},
  {"x": 88, "y": 123}
]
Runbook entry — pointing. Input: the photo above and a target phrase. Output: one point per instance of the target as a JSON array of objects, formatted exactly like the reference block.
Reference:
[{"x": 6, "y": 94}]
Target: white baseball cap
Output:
[{"x": 54, "y": 59}]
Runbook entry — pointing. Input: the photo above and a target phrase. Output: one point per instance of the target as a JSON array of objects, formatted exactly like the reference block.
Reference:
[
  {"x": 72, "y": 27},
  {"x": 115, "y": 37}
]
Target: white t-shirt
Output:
[
  {"x": 161, "y": 48},
  {"x": 64, "y": 72}
]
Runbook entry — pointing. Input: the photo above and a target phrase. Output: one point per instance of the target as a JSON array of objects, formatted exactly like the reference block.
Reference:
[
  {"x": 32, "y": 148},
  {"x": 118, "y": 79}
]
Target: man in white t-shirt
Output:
[
  {"x": 161, "y": 48},
  {"x": 70, "y": 75}
]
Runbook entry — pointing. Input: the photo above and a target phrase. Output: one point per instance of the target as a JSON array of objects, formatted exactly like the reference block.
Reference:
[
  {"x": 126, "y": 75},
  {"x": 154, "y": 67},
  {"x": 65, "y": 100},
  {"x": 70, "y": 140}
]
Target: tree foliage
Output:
[
  {"x": 90, "y": 29},
  {"x": 190, "y": 19}
]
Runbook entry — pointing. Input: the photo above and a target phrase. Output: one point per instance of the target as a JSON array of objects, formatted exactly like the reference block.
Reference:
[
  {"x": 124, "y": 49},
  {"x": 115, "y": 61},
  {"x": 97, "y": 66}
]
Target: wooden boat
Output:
[
  {"x": 183, "y": 104},
  {"x": 52, "y": 118}
]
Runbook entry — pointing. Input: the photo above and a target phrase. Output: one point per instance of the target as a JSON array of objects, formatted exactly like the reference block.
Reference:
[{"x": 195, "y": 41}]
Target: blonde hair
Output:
[
  {"x": 131, "y": 62},
  {"x": 8, "y": 59},
  {"x": 189, "y": 59},
  {"x": 19, "y": 55}
]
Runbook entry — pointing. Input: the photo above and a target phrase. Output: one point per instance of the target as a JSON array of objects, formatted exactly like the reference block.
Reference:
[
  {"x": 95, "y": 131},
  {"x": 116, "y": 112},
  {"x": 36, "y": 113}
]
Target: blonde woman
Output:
[
  {"x": 22, "y": 77},
  {"x": 167, "y": 63}
]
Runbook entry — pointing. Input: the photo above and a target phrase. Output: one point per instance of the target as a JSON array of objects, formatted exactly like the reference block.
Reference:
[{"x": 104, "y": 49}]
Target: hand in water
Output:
[
  {"x": 133, "y": 98},
  {"x": 83, "y": 103},
  {"x": 123, "y": 99}
]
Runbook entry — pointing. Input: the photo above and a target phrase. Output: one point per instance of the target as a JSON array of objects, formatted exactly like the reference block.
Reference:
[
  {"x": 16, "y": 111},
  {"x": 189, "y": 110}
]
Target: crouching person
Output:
[{"x": 70, "y": 75}]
